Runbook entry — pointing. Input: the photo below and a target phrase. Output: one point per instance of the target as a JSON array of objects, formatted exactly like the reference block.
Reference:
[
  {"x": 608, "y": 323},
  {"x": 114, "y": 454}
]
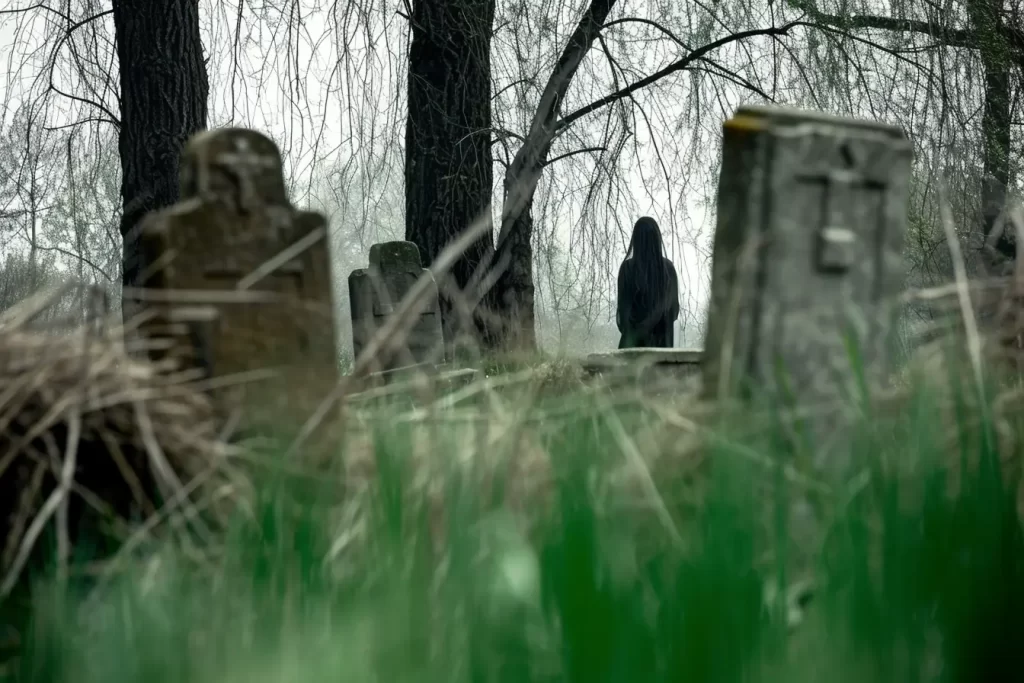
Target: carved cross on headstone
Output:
[
  {"x": 836, "y": 241},
  {"x": 246, "y": 163},
  {"x": 235, "y": 233}
]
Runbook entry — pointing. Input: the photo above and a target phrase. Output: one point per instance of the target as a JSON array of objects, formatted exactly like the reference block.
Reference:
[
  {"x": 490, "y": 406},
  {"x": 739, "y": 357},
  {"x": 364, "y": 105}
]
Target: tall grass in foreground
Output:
[{"x": 918, "y": 563}]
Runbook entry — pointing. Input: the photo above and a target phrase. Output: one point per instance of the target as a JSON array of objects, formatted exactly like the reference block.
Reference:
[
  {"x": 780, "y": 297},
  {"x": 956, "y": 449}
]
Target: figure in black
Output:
[{"x": 648, "y": 304}]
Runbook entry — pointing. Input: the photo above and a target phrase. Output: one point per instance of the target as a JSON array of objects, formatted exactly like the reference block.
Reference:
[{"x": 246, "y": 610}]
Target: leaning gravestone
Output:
[
  {"x": 807, "y": 254},
  {"x": 374, "y": 295},
  {"x": 243, "y": 278}
]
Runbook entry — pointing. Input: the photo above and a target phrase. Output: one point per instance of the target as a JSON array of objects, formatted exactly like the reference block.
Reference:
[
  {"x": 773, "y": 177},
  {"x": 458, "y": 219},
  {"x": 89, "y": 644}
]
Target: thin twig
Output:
[{"x": 283, "y": 257}]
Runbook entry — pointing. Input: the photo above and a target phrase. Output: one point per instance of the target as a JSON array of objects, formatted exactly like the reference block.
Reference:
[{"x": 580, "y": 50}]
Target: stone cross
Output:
[
  {"x": 246, "y": 277},
  {"x": 374, "y": 294},
  {"x": 807, "y": 259}
]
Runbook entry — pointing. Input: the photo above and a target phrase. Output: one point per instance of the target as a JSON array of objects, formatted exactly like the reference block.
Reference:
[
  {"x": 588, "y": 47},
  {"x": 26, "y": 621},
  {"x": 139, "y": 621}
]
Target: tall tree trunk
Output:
[
  {"x": 449, "y": 171},
  {"x": 993, "y": 42},
  {"x": 511, "y": 301},
  {"x": 163, "y": 102}
]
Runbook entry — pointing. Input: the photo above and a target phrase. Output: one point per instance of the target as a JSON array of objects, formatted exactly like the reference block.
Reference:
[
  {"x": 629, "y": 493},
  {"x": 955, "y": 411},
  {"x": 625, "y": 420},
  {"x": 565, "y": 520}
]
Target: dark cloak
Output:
[{"x": 647, "y": 318}]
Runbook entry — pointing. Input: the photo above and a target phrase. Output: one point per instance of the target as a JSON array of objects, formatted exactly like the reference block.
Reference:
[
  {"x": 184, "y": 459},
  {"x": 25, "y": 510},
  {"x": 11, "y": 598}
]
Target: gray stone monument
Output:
[
  {"x": 807, "y": 253},
  {"x": 375, "y": 293},
  {"x": 235, "y": 233}
]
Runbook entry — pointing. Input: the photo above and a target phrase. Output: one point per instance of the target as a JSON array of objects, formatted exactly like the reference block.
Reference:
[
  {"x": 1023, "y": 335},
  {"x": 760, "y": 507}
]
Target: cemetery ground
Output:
[{"x": 560, "y": 531}]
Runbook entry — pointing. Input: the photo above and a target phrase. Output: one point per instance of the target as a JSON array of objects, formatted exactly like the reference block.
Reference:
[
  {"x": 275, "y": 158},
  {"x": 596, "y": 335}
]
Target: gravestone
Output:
[
  {"x": 241, "y": 279},
  {"x": 374, "y": 295},
  {"x": 807, "y": 260}
]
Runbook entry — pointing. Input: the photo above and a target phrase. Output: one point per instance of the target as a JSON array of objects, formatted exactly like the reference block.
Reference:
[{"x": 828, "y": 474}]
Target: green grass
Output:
[{"x": 918, "y": 559}]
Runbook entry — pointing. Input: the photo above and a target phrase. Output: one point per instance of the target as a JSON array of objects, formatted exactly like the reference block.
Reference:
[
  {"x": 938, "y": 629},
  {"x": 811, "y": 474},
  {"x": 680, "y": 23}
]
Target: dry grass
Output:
[
  {"x": 92, "y": 440},
  {"x": 91, "y": 434}
]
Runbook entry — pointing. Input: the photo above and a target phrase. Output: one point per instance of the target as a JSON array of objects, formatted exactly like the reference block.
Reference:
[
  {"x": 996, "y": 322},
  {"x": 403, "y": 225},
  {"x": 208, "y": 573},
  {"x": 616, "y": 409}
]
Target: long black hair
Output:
[{"x": 649, "y": 270}]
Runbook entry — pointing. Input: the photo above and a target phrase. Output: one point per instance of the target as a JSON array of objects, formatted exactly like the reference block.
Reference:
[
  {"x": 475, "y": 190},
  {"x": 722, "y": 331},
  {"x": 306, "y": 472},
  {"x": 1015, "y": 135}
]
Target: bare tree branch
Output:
[
  {"x": 950, "y": 37},
  {"x": 585, "y": 150},
  {"x": 530, "y": 157},
  {"x": 679, "y": 65}
]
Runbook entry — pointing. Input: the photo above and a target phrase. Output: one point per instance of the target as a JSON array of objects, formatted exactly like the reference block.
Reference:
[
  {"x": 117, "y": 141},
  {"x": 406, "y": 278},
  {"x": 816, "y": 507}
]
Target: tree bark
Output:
[
  {"x": 993, "y": 44},
  {"x": 512, "y": 309},
  {"x": 164, "y": 90},
  {"x": 449, "y": 173}
]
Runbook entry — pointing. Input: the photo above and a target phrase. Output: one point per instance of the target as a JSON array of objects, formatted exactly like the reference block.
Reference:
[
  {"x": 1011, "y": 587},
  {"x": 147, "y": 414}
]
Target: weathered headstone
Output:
[
  {"x": 241, "y": 279},
  {"x": 807, "y": 254},
  {"x": 374, "y": 295}
]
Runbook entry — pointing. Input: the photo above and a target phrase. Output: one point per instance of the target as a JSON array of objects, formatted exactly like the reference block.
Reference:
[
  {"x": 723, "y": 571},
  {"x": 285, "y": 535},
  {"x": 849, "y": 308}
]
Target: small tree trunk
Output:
[
  {"x": 449, "y": 171},
  {"x": 163, "y": 102},
  {"x": 511, "y": 301},
  {"x": 513, "y": 324}
]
